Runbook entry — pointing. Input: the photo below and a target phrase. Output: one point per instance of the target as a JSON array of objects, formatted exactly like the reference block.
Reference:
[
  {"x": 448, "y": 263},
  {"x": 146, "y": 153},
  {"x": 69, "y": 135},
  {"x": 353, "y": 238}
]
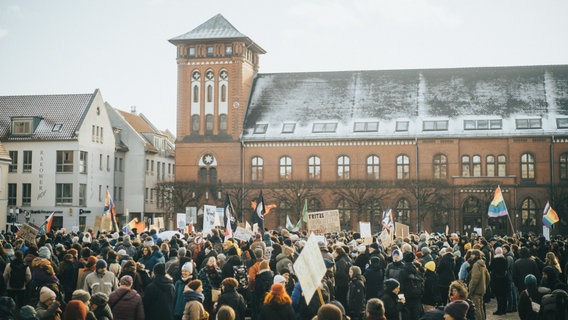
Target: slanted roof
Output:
[
  {"x": 415, "y": 95},
  {"x": 216, "y": 28},
  {"x": 137, "y": 122},
  {"x": 68, "y": 110},
  {"x": 4, "y": 155}
]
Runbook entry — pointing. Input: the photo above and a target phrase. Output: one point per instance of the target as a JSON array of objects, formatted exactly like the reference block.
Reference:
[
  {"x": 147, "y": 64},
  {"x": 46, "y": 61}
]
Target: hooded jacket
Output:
[
  {"x": 159, "y": 297},
  {"x": 194, "y": 305},
  {"x": 479, "y": 278}
]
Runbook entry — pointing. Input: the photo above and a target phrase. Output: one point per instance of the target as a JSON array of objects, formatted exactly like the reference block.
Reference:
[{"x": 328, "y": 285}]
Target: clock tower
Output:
[{"x": 216, "y": 67}]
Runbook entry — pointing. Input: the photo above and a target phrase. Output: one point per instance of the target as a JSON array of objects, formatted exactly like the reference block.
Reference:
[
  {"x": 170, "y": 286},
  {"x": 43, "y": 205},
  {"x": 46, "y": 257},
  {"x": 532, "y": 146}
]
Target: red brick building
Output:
[{"x": 431, "y": 144}]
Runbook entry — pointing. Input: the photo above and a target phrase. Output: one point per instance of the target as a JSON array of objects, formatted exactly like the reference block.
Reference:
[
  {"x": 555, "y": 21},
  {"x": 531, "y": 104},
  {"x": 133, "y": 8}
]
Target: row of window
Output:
[
  {"x": 191, "y": 52},
  {"x": 63, "y": 194},
  {"x": 151, "y": 194},
  {"x": 65, "y": 161},
  {"x": 471, "y": 166},
  {"x": 427, "y": 125},
  {"x": 97, "y": 134},
  {"x": 160, "y": 169},
  {"x": 196, "y": 120},
  {"x": 209, "y": 78}
]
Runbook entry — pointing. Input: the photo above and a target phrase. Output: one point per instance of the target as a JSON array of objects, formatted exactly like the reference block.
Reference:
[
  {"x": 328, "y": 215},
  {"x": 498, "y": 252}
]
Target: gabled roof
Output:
[
  {"x": 216, "y": 28},
  {"x": 385, "y": 96},
  {"x": 67, "y": 110},
  {"x": 137, "y": 122},
  {"x": 4, "y": 155}
]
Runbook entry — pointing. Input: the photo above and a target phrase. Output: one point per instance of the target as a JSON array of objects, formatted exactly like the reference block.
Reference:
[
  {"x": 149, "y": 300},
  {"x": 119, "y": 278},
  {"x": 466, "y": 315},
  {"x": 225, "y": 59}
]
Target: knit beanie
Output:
[
  {"x": 188, "y": 266},
  {"x": 396, "y": 256},
  {"x": 44, "y": 252},
  {"x": 391, "y": 284},
  {"x": 279, "y": 279},
  {"x": 101, "y": 264},
  {"x": 28, "y": 313},
  {"x": 91, "y": 262},
  {"x": 430, "y": 265},
  {"x": 498, "y": 250},
  {"x": 160, "y": 269},
  {"x": 329, "y": 312},
  {"x": 82, "y": 295},
  {"x": 99, "y": 298},
  {"x": 530, "y": 280},
  {"x": 45, "y": 294},
  {"x": 457, "y": 309},
  {"x": 126, "y": 281},
  {"x": 75, "y": 310},
  {"x": 277, "y": 288},
  {"x": 408, "y": 257}
]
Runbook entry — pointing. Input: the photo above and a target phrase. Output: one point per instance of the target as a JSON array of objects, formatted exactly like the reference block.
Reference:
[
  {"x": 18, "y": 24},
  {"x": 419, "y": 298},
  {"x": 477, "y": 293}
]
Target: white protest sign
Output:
[
  {"x": 220, "y": 217},
  {"x": 479, "y": 231},
  {"x": 191, "y": 214},
  {"x": 310, "y": 268},
  {"x": 243, "y": 234},
  {"x": 546, "y": 232},
  {"x": 181, "y": 220},
  {"x": 322, "y": 222},
  {"x": 208, "y": 219},
  {"x": 365, "y": 229}
]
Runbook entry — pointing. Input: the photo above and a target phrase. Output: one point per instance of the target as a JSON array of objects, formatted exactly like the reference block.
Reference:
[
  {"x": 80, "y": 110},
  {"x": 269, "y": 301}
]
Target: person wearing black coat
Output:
[
  {"x": 524, "y": 266},
  {"x": 393, "y": 304},
  {"x": 356, "y": 294},
  {"x": 413, "y": 296},
  {"x": 445, "y": 271},
  {"x": 159, "y": 295},
  {"x": 277, "y": 305},
  {"x": 499, "y": 282},
  {"x": 431, "y": 297},
  {"x": 342, "y": 265},
  {"x": 374, "y": 278},
  {"x": 227, "y": 270},
  {"x": 230, "y": 297},
  {"x": 263, "y": 282}
]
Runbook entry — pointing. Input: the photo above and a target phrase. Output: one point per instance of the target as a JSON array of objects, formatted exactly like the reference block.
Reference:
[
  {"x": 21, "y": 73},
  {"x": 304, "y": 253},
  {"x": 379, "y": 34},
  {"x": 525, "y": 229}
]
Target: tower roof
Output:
[{"x": 213, "y": 29}]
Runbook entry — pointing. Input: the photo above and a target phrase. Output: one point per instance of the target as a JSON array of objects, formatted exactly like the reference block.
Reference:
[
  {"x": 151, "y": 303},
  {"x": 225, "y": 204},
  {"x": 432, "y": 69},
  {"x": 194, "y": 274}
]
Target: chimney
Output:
[{"x": 133, "y": 109}]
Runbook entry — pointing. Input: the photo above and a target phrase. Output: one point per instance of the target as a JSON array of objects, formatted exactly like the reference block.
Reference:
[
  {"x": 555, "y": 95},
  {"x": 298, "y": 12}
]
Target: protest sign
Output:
[
  {"x": 385, "y": 238},
  {"x": 310, "y": 268},
  {"x": 28, "y": 233},
  {"x": 322, "y": 222},
  {"x": 365, "y": 229},
  {"x": 191, "y": 214},
  {"x": 208, "y": 219},
  {"x": 401, "y": 230},
  {"x": 243, "y": 234},
  {"x": 181, "y": 220}
]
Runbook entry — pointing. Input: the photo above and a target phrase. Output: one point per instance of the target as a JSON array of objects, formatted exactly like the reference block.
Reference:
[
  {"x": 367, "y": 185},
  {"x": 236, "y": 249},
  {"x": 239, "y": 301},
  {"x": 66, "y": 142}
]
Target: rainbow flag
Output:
[
  {"x": 49, "y": 222},
  {"x": 131, "y": 225},
  {"x": 549, "y": 216},
  {"x": 497, "y": 208}
]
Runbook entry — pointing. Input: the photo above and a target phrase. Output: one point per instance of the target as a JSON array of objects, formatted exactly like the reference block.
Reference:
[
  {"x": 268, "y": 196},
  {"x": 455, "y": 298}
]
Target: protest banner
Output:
[
  {"x": 310, "y": 268},
  {"x": 191, "y": 215},
  {"x": 208, "y": 219},
  {"x": 220, "y": 217},
  {"x": 181, "y": 220},
  {"x": 385, "y": 238},
  {"x": 402, "y": 230},
  {"x": 322, "y": 222},
  {"x": 28, "y": 233},
  {"x": 365, "y": 229},
  {"x": 243, "y": 234},
  {"x": 106, "y": 224}
]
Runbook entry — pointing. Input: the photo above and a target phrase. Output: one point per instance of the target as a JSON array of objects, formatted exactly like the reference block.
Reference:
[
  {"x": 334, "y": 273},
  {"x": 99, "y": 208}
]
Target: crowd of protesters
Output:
[{"x": 119, "y": 276}]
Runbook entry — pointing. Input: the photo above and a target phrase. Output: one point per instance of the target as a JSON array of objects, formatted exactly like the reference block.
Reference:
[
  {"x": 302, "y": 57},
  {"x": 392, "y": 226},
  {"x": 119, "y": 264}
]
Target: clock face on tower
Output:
[
  {"x": 195, "y": 75},
  {"x": 207, "y": 159}
]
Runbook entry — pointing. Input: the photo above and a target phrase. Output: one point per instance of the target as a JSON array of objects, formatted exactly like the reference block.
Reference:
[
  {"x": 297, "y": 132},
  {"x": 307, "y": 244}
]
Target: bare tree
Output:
[{"x": 427, "y": 194}]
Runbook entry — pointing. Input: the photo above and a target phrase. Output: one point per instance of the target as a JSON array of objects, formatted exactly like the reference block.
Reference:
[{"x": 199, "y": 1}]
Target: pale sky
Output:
[{"x": 121, "y": 47}]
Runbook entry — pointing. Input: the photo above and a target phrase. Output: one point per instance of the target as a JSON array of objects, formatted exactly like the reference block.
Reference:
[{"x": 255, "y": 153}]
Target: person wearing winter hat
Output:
[
  {"x": 82, "y": 296},
  {"x": 159, "y": 295},
  {"x": 101, "y": 280},
  {"x": 393, "y": 303},
  {"x": 395, "y": 267},
  {"x": 194, "y": 298},
  {"x": 179, "y": 304},
  {"x": 263, "y": 282},
  {"x": 231, "y": 298},
  {"x": 48, "y": 307},
  {"x": 99, "y": 306},
  {"x": 27, "y": 312},
  {"x": 44, "y": 252},
  {"x": 456, "y": 310},
  {"x": 277, "y": 304},
  {"x": 431, "y": 295},
  {"x": 530, "y": 295},
  {"x": 90, "y": 267},
  {"x": 279, "y": 279},
  {"x": 126, "y": 303}
]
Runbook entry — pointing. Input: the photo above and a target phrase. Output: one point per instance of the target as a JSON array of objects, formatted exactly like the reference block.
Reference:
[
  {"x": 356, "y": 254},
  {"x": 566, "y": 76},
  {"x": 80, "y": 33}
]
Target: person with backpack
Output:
[
  {"x": 230, "y": 297},
  {"x": 412, "y": 286},
  {"x": 530, "y": 299},
  {"x": 124, "y": 302},
  {"x": 16, "y": 276}
]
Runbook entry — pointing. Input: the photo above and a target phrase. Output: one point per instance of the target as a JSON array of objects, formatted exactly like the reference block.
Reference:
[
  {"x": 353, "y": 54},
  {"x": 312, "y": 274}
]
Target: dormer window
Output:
[
  {"x": 228, "y": 50},
  {"x": 22, "y": 126},
  {"x": 324, "y": 127},
  {"x": 210, "y": 51},
  {"x": 402, "y": 125},
  {"x": 529, "y": 123},
  {"x": 437, "y": 125},
  {"x": 562, "y": 123},
  {"x": 260, "y": 128}
]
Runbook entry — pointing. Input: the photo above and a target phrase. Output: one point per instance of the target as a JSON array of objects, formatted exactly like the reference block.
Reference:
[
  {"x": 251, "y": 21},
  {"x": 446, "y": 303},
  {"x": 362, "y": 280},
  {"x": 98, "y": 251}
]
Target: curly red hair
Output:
[{"x": 277, "y": 294}]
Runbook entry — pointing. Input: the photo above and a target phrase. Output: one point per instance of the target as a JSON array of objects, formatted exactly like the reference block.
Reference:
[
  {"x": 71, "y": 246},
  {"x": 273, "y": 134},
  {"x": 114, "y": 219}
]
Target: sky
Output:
[{"x": 121, "y": 47}]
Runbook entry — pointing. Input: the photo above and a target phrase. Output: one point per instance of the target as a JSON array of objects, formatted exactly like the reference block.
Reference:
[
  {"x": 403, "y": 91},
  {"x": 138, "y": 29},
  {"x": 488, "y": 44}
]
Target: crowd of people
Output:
[{"x": 120, "y": 276}]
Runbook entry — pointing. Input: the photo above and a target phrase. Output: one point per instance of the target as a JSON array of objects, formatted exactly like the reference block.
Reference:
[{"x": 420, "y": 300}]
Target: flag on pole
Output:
[
  {"x": 388, "y": 221},
  {"x": 229, "y": 213},
  {"x": 110, "y": 210},
  {"x": 49, "y": 222},
  {"x": 290, "y": 227},
  {"x": 228, "y": 229},
  {"x": 549, "y": 216},
  {"x": 260, "y": 211},
  {"x": 497, "y": 208},
  {"x": 305, "y": 212},
  {"x": 129, "y": 226}
]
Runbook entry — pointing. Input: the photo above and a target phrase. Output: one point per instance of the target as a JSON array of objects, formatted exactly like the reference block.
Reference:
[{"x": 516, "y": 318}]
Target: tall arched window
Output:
[
  {"x": 373, "y": 167},
  {"x": 343, "y": 167},
  {"x": 195, "y": 123},
  {"x": 402, "y": 167},
  {"x": 213, "y": 176},
  {"x": 209, "y": 122},
  {"x": 203, "y": 175},
  {"x": 223, "y": 122},
  {"x": 501, "y": 165},
  {"x": 440, "y": 166},
  {"x": 476, "y": 166},
  {"x": 402, "y": 212},
  {"x": 490, "y": 165},
  {"x": 466, "y": 166},
  {"x": 257, "y": 164},
  {"x": 344, "y": 214},
  {"x": 528, "y": 213},
  {"x": 285, "y": 168},
  {"x": 195, "y": 93},
  {"x": 209, "y": 93},
  {"x": 223, "y": 93},
  {"x": 563, "y": 166},
  {"x": 314, "y": 168},
  {"x": 527, "y": 166}
]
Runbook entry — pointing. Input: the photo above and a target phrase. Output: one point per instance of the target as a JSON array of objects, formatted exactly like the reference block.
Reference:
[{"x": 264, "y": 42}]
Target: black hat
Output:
[
  {"x": 160, "y": 269},
  {"x": 391, "y": 284},
  {"x": 374, "y": 245}
]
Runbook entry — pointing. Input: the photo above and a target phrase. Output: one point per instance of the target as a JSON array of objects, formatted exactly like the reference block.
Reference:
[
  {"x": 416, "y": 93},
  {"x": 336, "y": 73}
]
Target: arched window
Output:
[
  {"x": 344, "y": 214},
  {"x": 466, "y": 166},
  {"x": 373, "y": 167},
  {"x": 195, "y": 123},
  {"x": 203, "y": 175},
  {"x": 314, "y": 168},
  {"x": 402, "y": 214},
  {"x": 563, "y": 166},
  {"x": 440, "y": 215},
  {"x": 195, "y": 93},
  {"x": 257, "y": 172},
  {"x": 213, "y": 176},
  {"x": 209, "y": 122},
  {"x": 528, "y": 213},
  {"x": 527, "y": 166},
  {"x": 501, "y": 165},
  {"x": 440, "y": 166},
  {"x": 223, "y": 93},
  {"x": 402, "y": 167},
  {"x": 223, "y": 122},
  {"x": 490, "y": 165},
  {"x": 209, "y": 93},
  {"x": 343, "y": 167},
  {"x": 476, "y": 166},
  {"x": 285, "y": 168}
]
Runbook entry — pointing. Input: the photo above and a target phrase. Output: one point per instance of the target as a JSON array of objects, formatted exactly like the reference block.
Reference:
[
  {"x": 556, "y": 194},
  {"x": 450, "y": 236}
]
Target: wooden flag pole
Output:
[
  {"x": 320, "y": 296},
  {"x": 511, "y": 222}
]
